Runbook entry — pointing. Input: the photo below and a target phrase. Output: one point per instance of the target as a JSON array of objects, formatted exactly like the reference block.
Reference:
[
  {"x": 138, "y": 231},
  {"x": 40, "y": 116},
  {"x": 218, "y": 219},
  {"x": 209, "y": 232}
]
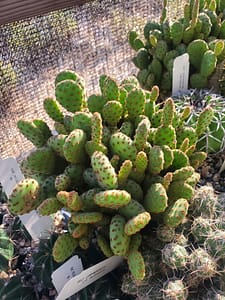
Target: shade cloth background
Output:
[{"x": 90, "y": 38}]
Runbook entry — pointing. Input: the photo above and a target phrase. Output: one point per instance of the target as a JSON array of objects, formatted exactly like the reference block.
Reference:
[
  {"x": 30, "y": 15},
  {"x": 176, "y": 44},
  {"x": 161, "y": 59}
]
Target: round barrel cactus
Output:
[{"x": 213, "y": 140}]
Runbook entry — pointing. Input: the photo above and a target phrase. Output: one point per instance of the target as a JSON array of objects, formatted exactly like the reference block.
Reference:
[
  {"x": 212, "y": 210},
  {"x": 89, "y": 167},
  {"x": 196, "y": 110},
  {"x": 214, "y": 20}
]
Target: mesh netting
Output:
[{"x": 90, "y": 39}]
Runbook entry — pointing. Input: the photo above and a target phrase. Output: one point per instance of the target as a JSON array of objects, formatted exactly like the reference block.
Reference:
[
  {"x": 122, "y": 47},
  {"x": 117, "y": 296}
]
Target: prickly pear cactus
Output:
[
  {"x": 124, "y": 174},
  {"x": 198, "y": 32}
]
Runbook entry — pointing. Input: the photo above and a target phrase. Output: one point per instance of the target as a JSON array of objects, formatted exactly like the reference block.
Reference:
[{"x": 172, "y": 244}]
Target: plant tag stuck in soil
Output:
[
  {"x": 180, "y": 74},
  {"x": 88, "y": 276},
  {"x": 68, "y": 270},
  {"x": 39, "y": 227},
  {"x": 10, "y": 174}
]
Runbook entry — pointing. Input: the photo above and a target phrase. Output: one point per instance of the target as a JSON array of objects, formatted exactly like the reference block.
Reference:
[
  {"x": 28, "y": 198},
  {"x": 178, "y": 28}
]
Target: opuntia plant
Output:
[
  {"x": 117, "y": 177},
  {"x": 198, "y": 32}
]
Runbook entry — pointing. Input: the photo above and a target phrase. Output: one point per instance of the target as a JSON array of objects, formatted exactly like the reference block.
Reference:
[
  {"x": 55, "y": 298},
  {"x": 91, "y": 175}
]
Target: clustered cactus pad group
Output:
[
  {"x": 199, "y": 32},
  {"x": 118, "y": 163}
]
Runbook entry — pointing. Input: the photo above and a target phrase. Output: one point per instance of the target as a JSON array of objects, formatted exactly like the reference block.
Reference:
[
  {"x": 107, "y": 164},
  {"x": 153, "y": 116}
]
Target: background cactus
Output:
[
  {"x": 198, "y": 32},
  {"x": 212, "y": 141}
]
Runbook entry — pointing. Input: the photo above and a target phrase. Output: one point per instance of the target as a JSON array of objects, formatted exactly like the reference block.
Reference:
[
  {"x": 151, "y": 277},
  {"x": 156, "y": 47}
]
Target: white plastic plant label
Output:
[
  {"x": 88, "y": 276},
  {"x": 68, "y": 270},
  {"x": 180, "y": 74},
  {"x": 39, "y": 227},
  {"x": 10, "y": 174}
]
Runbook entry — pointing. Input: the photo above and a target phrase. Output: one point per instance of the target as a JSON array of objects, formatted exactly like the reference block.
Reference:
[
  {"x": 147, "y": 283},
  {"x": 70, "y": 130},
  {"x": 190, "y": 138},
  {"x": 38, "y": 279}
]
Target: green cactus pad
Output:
[
  {"x": 64, "y": 247},
  {"x": 49, "y": 206},
  {"x": 124, "y": 172},
  {"x": 168, "y": 112},
  {"x": 105, "y": 173},
  {"x": 134, "y": 189},
  {"x": 104, "y": 245},
  {"x": 56, "y": 143},
  {"x": 96, "y": 103},
  {"x": 112, "y": 112},
  {"x": 156, "y": 70},
  {"x": 41, "y": 160},
  {"x": 67, "y": 122},
  {"x": 204, "y": 120},
  {"x": 86, "y": 217},
  {"x": 73, "y": 147},
  {"x": 165, "y": 136},
  {"x": 135, "y": 103},
  {"x": 198, "y": 81},
  {"x": 186, "y": 132},
  {"x": 156, "y": 198},
  {"x": 180, "y": 159},
  {"x": 123, "y": 146},
  {"x": 137, "y": 223},
  {"x": 196, "y": 50},
  {"x": 156, "y": 160},
  {"x": 112, "y": 199},
  {"x": 96, "y": 128},
  {"x": 24, "y": 196},
  {"x": 141, "y": 162},
  {"x": 60, "y": 128},
  {"x": 141, "y": 134},
  {"x": 89, "y": 178},
  {"x": 176, "y": 32},
  {"x": 161, "y": 50},
  {"x": 142, "y": 58},
  {"x": 75, "y": 172},
  {"x": 135, "y": 241},
  {"x": 74, "y": 201},
  {"x": 194, "y": 179},
  {"x": 62, "y": 182},
  {"x": 36, "y": 131},
  {"x": 131, "y": 209},
  {"x": 82, "y": 120},
  {"x": 53, "y": 109},
  {"x": 68, "y": 74},
  {"x": 184, "y": 145},
  {"x": 110, "y": 89},
  {"x": 127, "y": 128},
  {"x": 136, "y": 264},
  {"x": 88, "y": 199},
  {"x": 48, "y": 187},
  {"x": 79, "y": 230},
  {"x": 183, "y": 173},
  {"x": 167, "y": 179},
  {"x": 70, "y": 95},
  {"x": 168, "y": 156},
  {"x": 119, "y": 241},
  {"x": 197, "y": 158},
  {"x": 176, "y": 212}
]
